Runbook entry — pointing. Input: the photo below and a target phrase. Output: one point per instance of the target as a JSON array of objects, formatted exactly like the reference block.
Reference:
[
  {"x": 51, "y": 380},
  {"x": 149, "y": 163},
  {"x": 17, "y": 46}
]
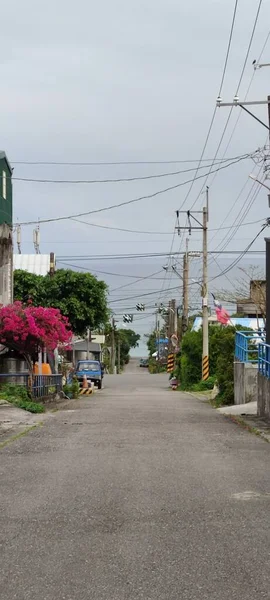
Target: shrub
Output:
[
  {"x": 203, "y": 386},
  {"x": 72, "y": 389},
  {"x": 75, "y": 388},
  {"x": 18, "y": 395},
  {"x": 221, "y": 359},
  {"x": 156, "y": 367}
]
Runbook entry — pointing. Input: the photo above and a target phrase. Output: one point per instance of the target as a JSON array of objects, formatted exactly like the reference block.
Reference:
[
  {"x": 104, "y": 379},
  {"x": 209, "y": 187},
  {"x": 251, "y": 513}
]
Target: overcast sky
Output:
[{"x": 129, "y": 81}]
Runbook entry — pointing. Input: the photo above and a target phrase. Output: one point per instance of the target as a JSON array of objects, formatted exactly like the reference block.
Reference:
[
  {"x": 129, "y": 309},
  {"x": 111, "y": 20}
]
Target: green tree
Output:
[
  {"x": 221, "y": 359},
  {"x": 128, "y": 339},
  {"x": 79, "y": 296},
  {"x": 29, "y": 286}
]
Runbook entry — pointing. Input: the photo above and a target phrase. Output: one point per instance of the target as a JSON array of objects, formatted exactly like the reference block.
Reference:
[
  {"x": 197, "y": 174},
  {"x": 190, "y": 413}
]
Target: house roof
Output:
[
  {"x": 38, "y": 264},
  {"x": 3, "y": 155}
]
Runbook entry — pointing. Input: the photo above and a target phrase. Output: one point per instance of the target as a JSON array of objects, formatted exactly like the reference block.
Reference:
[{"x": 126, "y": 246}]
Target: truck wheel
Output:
[{"x": 99, "y": 385}]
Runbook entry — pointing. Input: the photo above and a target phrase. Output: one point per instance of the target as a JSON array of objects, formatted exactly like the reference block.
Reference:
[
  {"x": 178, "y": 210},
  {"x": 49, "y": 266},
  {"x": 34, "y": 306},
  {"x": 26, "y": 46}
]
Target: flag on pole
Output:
[{"x": 222, "y": 316}]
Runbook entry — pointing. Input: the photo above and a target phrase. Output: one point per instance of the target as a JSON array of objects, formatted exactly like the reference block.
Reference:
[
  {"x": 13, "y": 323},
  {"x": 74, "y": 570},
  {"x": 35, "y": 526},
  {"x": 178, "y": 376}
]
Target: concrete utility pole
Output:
[
  {"x": 52, "y": 264},
  {"x": 118, "y": 357},
  {"x": 113, "y": 347},
  {"x": 205, "y": 353},
  {"x": 185, "y": 289},
  {"x": 237, "y": 102},
  {"x": 171, "y": 322}
]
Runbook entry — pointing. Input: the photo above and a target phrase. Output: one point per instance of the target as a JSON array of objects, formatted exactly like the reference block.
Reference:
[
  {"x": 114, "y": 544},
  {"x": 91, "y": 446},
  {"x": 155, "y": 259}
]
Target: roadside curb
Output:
[
  {"x": 248, "y": 422},
  {"x": 250, "y": 426}
]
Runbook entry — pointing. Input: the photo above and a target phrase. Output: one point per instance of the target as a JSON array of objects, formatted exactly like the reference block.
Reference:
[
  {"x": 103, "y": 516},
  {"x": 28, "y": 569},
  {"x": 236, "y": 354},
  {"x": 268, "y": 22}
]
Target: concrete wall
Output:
[
  {"x": 245, "y": 382},
  {"x": 263, "y": 409}
]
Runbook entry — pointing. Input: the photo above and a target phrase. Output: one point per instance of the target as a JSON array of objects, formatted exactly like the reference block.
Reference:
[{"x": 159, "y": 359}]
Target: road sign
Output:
[{"x": 174, "y": 340}]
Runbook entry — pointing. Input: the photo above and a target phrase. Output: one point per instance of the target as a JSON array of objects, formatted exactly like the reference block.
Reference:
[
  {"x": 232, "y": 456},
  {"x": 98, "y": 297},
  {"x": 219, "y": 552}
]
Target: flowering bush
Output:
[{"x": 32, "y": 328}]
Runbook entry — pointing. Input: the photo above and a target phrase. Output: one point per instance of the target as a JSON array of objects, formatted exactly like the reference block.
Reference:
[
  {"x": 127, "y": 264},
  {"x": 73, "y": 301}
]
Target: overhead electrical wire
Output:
[
  {"x": 240, "y": 112},
  {"x": 123, "y": 179},
  {"x": 155, "y": 232},
  {"x": 126, "y": 202},
  {"x": 244, "y": 210},
  {"x": 123, "y": 229},
  {"x": 215, "y": 109},
  {"x": 136, "y": 281},
  {"x": 237, "y": 260},
  {"x": 116, "y": 163},
  {"x": 106, "y": 257},
  {"x": 104, "y": 272},
  {"x": 249, "y": 46},
  {"x": 236, "y": 93}
]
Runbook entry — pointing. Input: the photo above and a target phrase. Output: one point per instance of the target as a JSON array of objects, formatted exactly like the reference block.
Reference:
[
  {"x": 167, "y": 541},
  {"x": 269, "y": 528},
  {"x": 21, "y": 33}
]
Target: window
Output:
[
  {"x": 4, "y": 185},
  {"x": 89, "y": 366}
]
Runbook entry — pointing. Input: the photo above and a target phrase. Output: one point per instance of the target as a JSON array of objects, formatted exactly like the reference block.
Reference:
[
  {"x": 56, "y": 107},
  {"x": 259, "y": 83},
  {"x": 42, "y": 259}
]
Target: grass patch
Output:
[
  {"x": 13, "y": 438},
  {"x": 18, "y": 396},
  {"x": 201, "y": 386}
]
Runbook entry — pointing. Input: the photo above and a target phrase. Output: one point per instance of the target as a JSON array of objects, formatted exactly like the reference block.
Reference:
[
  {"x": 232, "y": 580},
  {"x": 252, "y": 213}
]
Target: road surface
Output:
[{"x": 135, "y": 493}]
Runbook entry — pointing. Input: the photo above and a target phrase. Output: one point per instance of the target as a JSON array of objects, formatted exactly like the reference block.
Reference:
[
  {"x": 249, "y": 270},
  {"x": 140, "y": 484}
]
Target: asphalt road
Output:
[{"x": 136, "y": 493}]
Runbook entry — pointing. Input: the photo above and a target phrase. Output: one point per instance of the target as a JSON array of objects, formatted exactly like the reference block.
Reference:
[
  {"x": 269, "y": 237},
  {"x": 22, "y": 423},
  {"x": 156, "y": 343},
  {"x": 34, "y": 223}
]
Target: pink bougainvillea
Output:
[{"x": 29, "y": 329}]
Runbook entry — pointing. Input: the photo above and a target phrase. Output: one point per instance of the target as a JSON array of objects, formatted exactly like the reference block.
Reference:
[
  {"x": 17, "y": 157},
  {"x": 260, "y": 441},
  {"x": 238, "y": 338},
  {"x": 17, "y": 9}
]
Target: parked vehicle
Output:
[
  {"x": 144, "y": 362},
  {"x": 93, "y": 371}
]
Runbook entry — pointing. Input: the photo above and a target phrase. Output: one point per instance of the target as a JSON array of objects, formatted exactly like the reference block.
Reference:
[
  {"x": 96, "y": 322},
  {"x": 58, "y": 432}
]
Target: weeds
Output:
[{"x": 18, "y": 396}]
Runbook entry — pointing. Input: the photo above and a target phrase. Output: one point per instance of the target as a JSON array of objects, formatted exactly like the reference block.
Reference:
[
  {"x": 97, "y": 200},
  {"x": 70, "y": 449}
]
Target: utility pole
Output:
[
  {"x": 174, "y": 317},
  {"x": 52, "y": 264},
  {"x": 204, "y": 290},
  {"x": 205, "y": 353},
  {"x": 88, "y": 340},
  {"x": 170, "y": 321},
  {"x": 118, "y": 357},
  {"x": 185, "y": 289},
  {"x": 113, "y": 347}
]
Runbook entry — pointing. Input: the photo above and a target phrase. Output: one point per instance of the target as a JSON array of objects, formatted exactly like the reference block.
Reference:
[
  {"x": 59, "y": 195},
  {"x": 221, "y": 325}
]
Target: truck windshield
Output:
[{"x": 88, "y": 366}]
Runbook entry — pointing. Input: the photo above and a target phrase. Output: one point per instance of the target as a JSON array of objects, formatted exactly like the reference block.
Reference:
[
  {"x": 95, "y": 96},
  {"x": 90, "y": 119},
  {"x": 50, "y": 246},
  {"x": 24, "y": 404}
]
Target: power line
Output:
[
  {"x": 215, "y": 109},
  {"x": 125, "y": 203},
  {"x": 121, "y": 179},
  {"x": 241, "y": 218},
  {"x": 240, "y": 112},
  {"x": 123, "y": 229},
  {"x": 249, "y": 46},
  {"x": 136, "y": 281},
  {"x": 104, "y": 272},
  {"x": 142, "y": 295},
  {"x": 63, "y": 259},
  {"x": 237, "y": 260},
  {"x": 136, "y": 162},
  {"x": 228, "y": 48},
  {"x": 237, "y": 89}
]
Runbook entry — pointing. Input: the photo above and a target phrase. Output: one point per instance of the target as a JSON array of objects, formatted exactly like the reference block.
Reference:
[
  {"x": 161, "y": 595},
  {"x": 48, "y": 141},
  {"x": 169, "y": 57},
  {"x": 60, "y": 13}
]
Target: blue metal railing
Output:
[
  {"x": 46, "y": 385},
  {"x": 42, "y": 385},
  {"x": 247, "y": 345},
  {"x": 264, "y": 359}
]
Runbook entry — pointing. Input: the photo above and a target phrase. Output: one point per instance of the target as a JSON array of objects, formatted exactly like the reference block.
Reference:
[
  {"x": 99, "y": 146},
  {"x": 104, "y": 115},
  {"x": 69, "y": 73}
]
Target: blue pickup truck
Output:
[{"x": 93, "y": 370}]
